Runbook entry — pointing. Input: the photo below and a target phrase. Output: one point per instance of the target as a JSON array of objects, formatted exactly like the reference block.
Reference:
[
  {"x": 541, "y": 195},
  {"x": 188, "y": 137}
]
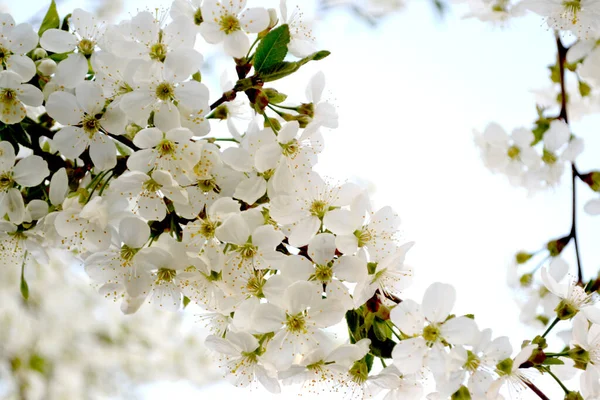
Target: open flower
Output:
[
  {"x": 87, "y": 123},
  {"x": 410, "y": 317},
  {"x": 15, "y": 42},
  {"x": 228, "y": 22},
  {"x": 14, "y": 96},
  {"x": 28, "y": 172},
  {"x": 83, "y": 40}
]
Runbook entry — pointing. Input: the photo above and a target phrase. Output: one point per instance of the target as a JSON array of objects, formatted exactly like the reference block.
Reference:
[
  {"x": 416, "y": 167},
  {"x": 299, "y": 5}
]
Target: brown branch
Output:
[{"x": 562, "y": 56}]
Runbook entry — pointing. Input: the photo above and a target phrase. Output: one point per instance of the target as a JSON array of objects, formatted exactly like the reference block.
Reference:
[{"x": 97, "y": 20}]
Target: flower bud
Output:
[
  {"x": 38, "y": 54},
  {"x": 273, "y": 20},
  {"x": 46, "y": 67}
]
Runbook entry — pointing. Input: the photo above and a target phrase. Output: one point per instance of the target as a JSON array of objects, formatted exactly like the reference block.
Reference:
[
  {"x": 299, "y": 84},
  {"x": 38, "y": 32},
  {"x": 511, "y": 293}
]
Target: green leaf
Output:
[
  {"x": 272, "y": 49},
  {"x": 51, "y": 20},
  {"x": 186, "y": 301}
]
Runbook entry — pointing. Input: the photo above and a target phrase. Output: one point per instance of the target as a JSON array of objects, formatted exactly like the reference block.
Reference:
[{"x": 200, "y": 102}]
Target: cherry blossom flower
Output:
[{"x": 15, "y": 42}]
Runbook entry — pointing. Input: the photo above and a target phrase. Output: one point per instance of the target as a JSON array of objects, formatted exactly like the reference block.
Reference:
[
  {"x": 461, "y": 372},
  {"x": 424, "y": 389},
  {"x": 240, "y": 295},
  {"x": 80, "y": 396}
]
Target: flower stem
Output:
[{"x": 550, "y": 327}]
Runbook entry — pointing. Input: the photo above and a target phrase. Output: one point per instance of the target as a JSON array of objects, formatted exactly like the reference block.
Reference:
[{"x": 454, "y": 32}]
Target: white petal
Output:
[
  {"x": 22, "y": 65},
  {"x": 181, "y": 63},
  {"x": 407, "y": 317},
  {"x": 342, "y": 222},
  {"x": 148, "y": 138},
  {"x": 255, "y": 20},
  {"x": 59, "y": 187},
  {"x": 321, "y": 248},
  {"x": 31, "y": 171},
  {"x": 301, "y": 295},
  {"x": 90, "y": 97},
  {"x": 438, "y": 301},
  {"x": 70, "y": 72},
  {"x": 233, "y": 230},
  {"x": 14, "y": 206},
  {"x": 460, "y": 330},
  {"x": 211, "y": 32},
  {"x": 304, "y": 230},
  {"x": 167, "y": 117},
  {"x": 221, "y": 345},
  {"x": 267, "y": 157},
  {"x": 266, "y": 237},
  {"x": 350, "y": 268},
  {"x": 268, "y": 318},
  {"x": 63, "y": 107},
  {"x": 58, "y": 41},
  {"x": 71, "y": 141},
  {"x": 192, "y": 94},
  {"x": 30, "y": 95},
  {"x": 408, "y": 355},
  {"x": 236, "y": 44},
  {"x": 251, "y": 189}
]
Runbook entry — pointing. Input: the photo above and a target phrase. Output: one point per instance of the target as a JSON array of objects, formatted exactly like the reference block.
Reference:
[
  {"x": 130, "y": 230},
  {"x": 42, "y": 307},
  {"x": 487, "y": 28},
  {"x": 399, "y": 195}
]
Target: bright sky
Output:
[{"x": 409, "y": 93}]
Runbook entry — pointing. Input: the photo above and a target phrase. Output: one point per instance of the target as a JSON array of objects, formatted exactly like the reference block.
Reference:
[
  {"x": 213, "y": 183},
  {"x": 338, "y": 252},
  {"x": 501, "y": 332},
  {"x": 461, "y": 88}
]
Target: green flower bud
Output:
[{"x": 38, "y": 54}]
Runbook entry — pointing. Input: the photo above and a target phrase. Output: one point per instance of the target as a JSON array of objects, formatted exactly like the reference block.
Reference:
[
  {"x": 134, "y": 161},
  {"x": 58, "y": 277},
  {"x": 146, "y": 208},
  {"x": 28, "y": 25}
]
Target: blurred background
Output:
[{"x": 410, "y": 85}]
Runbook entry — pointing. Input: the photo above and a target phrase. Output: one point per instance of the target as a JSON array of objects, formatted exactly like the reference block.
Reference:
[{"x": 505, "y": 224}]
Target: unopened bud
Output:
[
  {"x": 39, "y": 54},
  {"x": 131, "y": 130},
  {"x": 273, "y": 20},
  {"x": 46, "y": 67}
]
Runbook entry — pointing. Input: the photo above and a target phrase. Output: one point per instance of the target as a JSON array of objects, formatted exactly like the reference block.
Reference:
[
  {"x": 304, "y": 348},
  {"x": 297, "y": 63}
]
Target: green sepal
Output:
[{"x": 186, "y": 301}]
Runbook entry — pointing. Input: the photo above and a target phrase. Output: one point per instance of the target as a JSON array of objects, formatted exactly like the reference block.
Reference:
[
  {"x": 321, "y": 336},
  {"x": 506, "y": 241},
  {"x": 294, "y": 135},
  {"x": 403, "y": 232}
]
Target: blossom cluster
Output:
[{"x": 112, "y": 151}]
